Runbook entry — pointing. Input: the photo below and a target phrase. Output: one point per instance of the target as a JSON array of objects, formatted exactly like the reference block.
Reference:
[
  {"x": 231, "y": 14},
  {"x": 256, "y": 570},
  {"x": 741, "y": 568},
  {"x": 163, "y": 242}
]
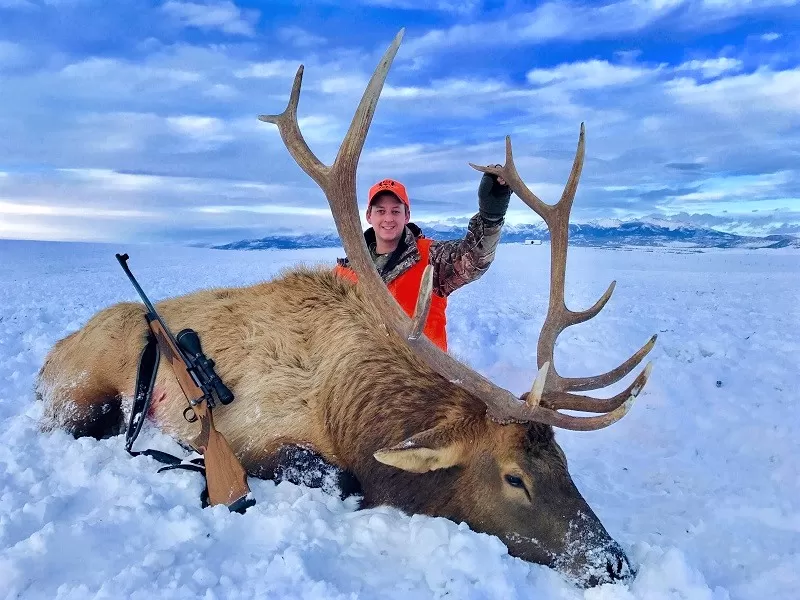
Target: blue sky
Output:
[{"x": 137, "y": 120}]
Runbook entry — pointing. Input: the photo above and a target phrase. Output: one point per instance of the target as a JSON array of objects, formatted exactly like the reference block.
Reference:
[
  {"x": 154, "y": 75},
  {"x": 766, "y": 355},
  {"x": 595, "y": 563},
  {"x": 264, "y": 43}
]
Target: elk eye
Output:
[{"x": 515, "y": 481}]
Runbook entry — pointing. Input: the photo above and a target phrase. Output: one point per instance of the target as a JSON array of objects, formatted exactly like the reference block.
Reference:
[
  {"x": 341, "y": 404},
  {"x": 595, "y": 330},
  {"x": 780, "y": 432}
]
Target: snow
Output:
[{"x": 700, "y": 483}]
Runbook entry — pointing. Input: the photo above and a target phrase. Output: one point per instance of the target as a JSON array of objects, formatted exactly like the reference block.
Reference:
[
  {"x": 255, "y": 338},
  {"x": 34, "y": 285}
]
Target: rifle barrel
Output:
[{"x": 123, "y": 260}]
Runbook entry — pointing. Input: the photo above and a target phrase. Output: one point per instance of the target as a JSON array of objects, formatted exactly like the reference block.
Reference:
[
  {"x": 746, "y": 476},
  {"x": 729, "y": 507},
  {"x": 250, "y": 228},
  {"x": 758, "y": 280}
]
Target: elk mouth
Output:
[
  {"x": 590, "y": 556},
  {"x": 594, "y": 566},
  {"x": 587, "y": 561}
]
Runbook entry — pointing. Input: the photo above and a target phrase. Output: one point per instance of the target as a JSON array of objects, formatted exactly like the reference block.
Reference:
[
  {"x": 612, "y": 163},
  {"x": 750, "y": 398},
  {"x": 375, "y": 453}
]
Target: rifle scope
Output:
[{"x": 189, "y": 342}]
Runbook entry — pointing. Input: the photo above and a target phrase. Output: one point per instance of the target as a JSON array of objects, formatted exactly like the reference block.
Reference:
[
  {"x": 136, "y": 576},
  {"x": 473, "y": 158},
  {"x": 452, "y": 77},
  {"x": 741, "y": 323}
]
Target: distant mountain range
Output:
[{"x": 606, "y": 233}]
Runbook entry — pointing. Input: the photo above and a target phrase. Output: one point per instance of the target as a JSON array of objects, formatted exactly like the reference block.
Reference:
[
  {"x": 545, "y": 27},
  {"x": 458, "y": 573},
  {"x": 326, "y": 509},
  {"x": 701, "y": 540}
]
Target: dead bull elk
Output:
[{"x": 317, "y": 361}]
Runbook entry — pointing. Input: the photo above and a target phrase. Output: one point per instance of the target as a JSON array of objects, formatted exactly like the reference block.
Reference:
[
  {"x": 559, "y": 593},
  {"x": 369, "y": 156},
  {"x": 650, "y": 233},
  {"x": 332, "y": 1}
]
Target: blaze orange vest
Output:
[{"x": 405, "y": 290}]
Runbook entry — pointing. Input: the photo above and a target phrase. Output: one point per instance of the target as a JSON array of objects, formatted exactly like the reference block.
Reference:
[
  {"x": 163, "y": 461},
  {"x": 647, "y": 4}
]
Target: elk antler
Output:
[
  {"x": 338, "y": 182},
  {"x": 556, "y": 393}
]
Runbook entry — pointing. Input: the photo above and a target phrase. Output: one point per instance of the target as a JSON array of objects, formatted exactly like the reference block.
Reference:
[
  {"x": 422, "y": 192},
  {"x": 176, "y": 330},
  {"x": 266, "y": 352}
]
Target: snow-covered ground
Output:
[{"x": 700, "y": 482}]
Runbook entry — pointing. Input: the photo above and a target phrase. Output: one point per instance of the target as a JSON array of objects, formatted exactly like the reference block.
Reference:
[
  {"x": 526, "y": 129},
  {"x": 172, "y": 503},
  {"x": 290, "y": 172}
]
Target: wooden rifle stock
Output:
[{"x": 225, "y": 477}]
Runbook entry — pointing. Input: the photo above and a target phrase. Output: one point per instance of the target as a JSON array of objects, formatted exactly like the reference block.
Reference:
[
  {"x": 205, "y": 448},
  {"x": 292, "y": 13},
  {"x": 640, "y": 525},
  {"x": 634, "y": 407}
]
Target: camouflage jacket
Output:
[{"x": 455, "y": 262}]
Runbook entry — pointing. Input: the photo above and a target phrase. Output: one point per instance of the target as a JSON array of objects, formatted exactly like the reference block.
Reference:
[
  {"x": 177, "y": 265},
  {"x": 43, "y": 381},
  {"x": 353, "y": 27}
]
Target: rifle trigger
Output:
[{"x": 192, "y": 418}]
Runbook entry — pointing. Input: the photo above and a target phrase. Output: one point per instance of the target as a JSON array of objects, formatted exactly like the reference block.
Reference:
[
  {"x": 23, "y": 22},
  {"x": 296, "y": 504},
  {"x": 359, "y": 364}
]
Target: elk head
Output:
[{"x": 497, "y": 467}]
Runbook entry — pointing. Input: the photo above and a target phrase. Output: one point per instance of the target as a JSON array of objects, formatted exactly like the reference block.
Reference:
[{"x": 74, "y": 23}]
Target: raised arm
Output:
[{"x": 458, "y": 262}]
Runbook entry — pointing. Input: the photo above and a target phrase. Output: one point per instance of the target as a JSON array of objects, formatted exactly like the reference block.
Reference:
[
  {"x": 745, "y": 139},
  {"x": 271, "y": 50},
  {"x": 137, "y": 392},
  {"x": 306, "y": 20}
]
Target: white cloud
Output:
[
  {"x": 737, "y": 6},
  {"x": 117, "y": 206},
  {"x": 343, "y": 84},
  {"x": 103, "y": 73},
  {"x": 59, "y": 210},
  {"x": 589, "y": 74},
  {"x": 322, "y": 129},
  {"x": 712, "y": 67},
  {"x": 549, "y": 21},
  {"x": 771, "y": 37},
  {"x": 299, "y": 37},
  {"x": 26, "y": 229},
  {"x": 751, "y": 190},
  {"x": 267, "y": 209},
  {"x": 764, "y": 91},
  {"x": 449, "y": 6},
  {"x": 104, "y": 180},
  {"x": 563, "y": 20},
  {"x": 446, "y": 88},
  {"x": 109, "y": 179},
  {"x": 221, "y": 91},
  {"x": 175, "y": 73},
  {"x": 204, "y": 130},
  {"x": 224, "y": 16},
  {"x": 268, "y": 70}
]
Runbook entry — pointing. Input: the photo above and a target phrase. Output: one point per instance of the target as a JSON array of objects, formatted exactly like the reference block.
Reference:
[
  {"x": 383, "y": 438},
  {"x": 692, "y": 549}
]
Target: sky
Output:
[{"x": 137, "y": 121}]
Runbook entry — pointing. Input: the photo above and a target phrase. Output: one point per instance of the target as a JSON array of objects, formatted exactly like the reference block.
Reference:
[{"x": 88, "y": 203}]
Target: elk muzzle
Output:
[
  {"x": 593, "y": 558},
  {"x": 588, "y": 556}
]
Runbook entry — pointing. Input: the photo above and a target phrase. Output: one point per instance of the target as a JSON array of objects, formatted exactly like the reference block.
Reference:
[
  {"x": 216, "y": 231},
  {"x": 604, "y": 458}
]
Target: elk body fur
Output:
[{"x": 287, "y": 348}]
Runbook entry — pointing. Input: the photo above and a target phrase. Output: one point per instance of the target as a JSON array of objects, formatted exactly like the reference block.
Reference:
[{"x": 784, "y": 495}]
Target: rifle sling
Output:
[{"x": 143, "y": 394}]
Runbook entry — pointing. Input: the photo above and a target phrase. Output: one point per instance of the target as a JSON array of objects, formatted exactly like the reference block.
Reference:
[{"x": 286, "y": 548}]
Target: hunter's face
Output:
[{"x": 388, "y": 216}]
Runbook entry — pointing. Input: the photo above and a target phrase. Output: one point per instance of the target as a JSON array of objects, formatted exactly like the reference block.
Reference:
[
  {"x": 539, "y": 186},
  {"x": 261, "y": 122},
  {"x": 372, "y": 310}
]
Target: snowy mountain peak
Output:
[{"x": 649, "y": 231}]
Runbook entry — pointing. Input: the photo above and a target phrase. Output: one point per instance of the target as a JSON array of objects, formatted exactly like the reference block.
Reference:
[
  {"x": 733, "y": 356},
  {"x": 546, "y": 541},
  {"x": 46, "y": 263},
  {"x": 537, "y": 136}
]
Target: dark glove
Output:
[{"x": 493, "y": 198}]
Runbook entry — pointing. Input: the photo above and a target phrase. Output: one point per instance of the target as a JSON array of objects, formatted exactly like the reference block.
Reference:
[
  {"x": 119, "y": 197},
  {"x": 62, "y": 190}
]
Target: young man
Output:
[{"x": 400, "y": 251}]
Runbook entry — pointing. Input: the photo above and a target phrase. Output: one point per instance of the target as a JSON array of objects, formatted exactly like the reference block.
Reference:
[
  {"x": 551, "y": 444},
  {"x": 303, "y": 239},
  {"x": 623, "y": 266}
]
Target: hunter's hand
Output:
[{"x": 493, "y": 197}]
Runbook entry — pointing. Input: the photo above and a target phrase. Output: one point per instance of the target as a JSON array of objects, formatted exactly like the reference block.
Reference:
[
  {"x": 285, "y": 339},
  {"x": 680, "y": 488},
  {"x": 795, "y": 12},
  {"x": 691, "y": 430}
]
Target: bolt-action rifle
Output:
[{"x": 225, "y": 477}]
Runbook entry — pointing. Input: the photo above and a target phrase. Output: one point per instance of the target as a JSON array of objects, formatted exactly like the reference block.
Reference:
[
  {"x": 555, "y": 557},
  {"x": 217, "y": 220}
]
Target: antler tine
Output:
[
  {"x": 568, "y": 195},
  {"x": 618, "y": 406},
  {"x": 293, "y": 138},
  {"x": 353, "y": 143},
  {"x": 509, "y": 172},
  {"x": 570, "y": 401},
  {"x": 423, "y": 305},
  {"x": 559, "y": 317},
  {"x": 535, "y": 395},
  {"x": 582, "y": 384},
  {"x": 557, "y": 220}
]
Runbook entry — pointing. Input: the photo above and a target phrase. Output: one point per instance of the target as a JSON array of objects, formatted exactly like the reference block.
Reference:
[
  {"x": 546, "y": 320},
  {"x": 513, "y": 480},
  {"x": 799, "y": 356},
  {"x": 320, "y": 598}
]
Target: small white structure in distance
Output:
[{"x": 532, "y": 242}]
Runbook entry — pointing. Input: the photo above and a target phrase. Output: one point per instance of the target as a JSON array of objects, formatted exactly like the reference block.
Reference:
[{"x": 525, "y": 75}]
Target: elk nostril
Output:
[
  {"x": 618, "y": 568},
  {"x": 613, "y": 573}
]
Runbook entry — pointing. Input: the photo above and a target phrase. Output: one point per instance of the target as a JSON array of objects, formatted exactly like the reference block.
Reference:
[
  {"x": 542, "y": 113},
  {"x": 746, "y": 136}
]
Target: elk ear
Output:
[{"x": 439, "y": 447}]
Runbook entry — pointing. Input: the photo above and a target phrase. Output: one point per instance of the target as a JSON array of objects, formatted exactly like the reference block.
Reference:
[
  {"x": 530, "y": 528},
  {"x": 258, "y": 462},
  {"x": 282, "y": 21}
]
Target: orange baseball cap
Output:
[{"x": 389, "y": 185}]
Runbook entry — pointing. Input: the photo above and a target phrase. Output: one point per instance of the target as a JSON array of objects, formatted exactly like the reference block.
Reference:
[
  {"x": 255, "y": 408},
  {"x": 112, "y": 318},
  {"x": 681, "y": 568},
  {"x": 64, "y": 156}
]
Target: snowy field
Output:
[{"x": 700, "y": 483}]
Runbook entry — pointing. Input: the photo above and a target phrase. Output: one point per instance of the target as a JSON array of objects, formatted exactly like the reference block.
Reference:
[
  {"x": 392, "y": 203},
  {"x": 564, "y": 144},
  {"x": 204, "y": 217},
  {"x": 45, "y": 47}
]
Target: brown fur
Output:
[{"x": 310, "y": 362}]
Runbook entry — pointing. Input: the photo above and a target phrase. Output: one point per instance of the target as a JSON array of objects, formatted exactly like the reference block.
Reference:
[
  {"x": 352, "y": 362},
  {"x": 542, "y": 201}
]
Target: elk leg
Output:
[
  {"x": 84, "y": 412},
  {"x": 76, "y": 396},
  {"x": 302, "y": 465},
  {"x": 87, "y": 374}
]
